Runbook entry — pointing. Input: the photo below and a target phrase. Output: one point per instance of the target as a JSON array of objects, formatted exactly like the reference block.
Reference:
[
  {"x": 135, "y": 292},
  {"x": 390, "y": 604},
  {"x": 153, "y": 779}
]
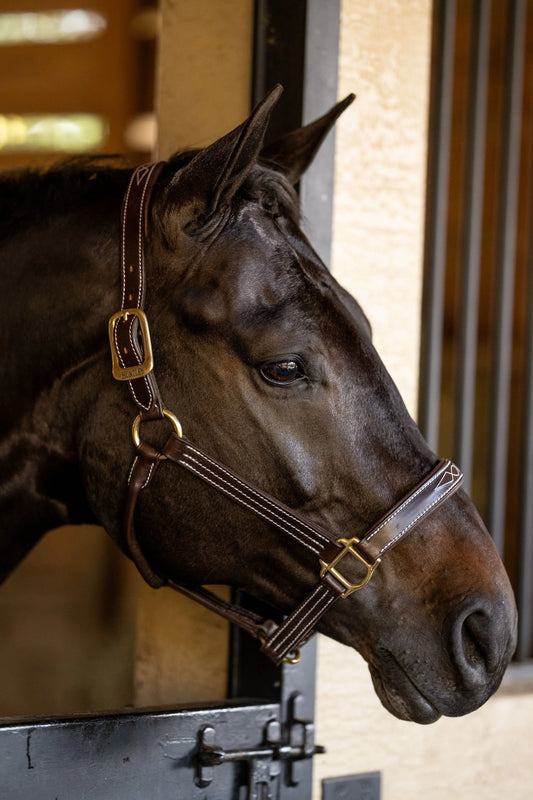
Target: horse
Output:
[{"x": 267, "y": 368}]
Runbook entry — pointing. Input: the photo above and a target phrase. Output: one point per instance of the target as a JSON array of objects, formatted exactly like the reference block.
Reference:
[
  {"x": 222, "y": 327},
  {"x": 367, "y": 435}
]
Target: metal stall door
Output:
[{"x": 245, "y": 750}]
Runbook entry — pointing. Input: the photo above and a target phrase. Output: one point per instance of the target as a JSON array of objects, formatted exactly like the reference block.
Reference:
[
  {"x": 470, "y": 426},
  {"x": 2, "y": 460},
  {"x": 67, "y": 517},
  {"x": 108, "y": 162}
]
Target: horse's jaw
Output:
[{"x": 401, "y": 697}]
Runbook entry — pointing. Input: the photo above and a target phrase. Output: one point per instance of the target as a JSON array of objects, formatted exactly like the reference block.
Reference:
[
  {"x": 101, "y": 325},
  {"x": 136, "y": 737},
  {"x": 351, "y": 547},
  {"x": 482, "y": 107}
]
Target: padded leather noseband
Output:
[{"x": 133, "y": 363}]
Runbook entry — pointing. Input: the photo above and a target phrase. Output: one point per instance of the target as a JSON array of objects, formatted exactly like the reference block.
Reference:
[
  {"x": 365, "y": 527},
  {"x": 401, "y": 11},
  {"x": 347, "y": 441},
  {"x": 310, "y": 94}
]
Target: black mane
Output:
[{"x": 33, "y": 192}]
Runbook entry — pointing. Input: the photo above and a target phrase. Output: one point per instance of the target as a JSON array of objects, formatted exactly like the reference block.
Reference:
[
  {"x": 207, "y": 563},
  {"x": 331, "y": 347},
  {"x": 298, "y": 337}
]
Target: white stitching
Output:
[
  {"x": 141, "y": 223},
  {"x": 132, "y": 468},
  {"x": 202, "y": 469},
  {"x": 262, "y": 498},
  {"x": 149, "y": 476},
  {"x": 139, "y": 403},
  {"x": 306, "y": 622},
  {"x": 413, "y": 522},
  {"x": 406, "y": 502},
  {"x": 285, "y": 524},
  {"x": 124, "y": 214},
  {"x": 145, "y": 176},
  {"x": 287, "y": 630}
]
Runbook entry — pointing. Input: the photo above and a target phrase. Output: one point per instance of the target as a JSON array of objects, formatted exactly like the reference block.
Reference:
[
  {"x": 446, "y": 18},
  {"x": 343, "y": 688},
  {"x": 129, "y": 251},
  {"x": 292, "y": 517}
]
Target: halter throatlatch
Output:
[{"x": 343, "y": 565}]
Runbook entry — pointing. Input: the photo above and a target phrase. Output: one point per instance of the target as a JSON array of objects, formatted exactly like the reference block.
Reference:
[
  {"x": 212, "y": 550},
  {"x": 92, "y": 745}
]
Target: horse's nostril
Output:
[
  {"x": 479, "y": 644},
  {"x": 476, "y": 644}
]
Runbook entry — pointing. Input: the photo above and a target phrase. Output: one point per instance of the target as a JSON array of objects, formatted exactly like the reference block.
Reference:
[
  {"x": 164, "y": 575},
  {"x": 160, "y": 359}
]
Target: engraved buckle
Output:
[
  {"x": 121, "y": 373},
  {"x": 332, "y": 566}
]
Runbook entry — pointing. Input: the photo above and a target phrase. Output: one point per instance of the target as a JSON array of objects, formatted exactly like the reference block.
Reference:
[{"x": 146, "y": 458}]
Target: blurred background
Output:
[{"x": 74, "y": 81}]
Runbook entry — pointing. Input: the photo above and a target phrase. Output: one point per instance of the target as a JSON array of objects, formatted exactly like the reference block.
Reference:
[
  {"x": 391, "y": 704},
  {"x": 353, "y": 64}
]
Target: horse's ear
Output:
[
  {"x": 295, "y": 151},
  {"x": 215, "y": 174}
]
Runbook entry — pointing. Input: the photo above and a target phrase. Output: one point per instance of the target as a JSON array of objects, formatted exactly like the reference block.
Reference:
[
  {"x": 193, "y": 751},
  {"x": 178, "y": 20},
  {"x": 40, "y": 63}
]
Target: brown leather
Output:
[
  {"x": 332, "y": 583},
  {"x": 242, "y": 617},
  {"x": 141, "y": 473},
  {"x": 444, "y": 480},
  {"x": 311, "y": 536},
  {"x": 299, "y": 625},
  {"x": 144, "y": 390}
]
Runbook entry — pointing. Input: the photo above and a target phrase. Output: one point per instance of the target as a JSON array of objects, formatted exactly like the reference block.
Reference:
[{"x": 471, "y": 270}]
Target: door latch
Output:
[{"x": 265, "y": 761}]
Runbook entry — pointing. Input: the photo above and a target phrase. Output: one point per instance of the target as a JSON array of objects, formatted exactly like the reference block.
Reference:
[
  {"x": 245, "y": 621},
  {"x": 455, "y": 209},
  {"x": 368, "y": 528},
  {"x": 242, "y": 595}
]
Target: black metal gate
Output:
[{"x": 246, "y": 750}]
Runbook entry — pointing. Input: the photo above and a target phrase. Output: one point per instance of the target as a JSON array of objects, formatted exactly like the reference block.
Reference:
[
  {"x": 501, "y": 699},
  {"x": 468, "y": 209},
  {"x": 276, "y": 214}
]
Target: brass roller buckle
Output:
[{"x": 348, "y": 547}]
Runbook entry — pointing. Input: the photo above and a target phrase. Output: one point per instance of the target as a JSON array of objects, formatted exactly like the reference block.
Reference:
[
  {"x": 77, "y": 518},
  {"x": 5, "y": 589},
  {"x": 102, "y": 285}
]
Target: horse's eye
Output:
[{"x": 282, "y": 373}]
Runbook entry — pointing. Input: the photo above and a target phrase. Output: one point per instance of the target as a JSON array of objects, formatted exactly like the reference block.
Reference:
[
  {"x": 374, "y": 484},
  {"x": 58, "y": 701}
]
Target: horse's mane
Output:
[{"x": 32, "y": 191}]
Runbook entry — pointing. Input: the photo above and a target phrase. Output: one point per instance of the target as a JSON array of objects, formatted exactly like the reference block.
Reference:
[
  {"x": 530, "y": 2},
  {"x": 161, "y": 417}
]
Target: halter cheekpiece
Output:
[{"x": 132, "y": 361}]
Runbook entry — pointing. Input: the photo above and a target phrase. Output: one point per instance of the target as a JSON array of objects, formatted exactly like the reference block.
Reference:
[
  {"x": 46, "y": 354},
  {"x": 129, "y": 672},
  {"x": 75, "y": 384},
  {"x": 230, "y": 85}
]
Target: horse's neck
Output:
[
  {"x": 40, "y": 485},
  {"x": 57, "y": 292},
  {"x": 39, "y": 490},
  {"x": 58, "y": 287}
]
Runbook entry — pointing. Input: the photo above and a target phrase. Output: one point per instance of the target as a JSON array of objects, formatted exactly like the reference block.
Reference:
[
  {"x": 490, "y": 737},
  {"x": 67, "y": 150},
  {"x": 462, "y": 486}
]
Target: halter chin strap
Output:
[{"x": 343, "y": 565}]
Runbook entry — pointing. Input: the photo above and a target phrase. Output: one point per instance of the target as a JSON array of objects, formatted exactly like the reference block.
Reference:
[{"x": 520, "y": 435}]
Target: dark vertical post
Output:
[
  {"x": 471, "y": 240},
  {"x": 279, "y": 57},
  {"x": 319, "y": 93},
  {"x": 443, "y": 40},
  {"x": 505, "y": 271},
  {"x": 525, "y": 566},
  {"x": 297, "y": 45}
]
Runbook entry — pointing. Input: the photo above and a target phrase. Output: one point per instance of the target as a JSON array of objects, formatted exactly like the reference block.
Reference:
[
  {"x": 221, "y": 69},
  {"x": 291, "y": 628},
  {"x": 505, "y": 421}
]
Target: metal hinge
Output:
[{"x": 265, "y": 761}]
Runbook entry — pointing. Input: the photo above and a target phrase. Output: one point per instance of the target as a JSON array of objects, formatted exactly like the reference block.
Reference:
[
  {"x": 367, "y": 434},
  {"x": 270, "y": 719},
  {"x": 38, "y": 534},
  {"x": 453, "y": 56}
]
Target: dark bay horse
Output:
[{"x": 269, "y": 365}]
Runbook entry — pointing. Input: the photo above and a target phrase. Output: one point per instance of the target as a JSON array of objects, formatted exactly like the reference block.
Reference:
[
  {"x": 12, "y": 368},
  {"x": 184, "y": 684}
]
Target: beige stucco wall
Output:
[
  {"x": 380, "y": 172},
  {"x": 377, "y": 254}
]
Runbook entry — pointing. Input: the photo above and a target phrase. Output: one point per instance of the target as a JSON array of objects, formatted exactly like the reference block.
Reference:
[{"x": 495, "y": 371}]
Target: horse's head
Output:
[{"x": 270, "y": 367}]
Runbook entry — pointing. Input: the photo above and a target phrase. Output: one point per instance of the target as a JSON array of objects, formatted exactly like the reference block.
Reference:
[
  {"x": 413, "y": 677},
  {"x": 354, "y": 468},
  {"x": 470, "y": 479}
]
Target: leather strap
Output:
[
  {"x": 442, "y": 481},
  {"x": 184, "y": 453},
  {"x": 365, "y": 554},
  {"x": 141, "y": 473},
  {"x": 132, "y": 361},
  {"x": 130, "y": 351}
]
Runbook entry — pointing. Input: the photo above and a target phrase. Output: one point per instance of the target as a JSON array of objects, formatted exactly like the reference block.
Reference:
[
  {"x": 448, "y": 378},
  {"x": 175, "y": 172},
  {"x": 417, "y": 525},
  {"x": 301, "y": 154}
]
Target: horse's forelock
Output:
[{"x": 272, "y": 190}]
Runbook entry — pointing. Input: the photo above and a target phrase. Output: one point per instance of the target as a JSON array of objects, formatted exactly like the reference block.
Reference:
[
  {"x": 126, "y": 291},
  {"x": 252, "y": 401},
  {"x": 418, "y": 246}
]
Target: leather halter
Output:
[{"x": 132, "y": 362}]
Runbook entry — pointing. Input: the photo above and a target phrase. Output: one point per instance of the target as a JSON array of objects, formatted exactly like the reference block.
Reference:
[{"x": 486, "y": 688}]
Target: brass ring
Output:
[
  {"x": 136, "y": 424},
  {"x": 294, "y": 657}
]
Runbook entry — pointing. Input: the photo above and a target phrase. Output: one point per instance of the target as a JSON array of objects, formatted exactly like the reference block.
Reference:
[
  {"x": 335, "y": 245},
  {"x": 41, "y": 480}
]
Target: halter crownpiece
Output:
[{"x": 335, "y": 557}]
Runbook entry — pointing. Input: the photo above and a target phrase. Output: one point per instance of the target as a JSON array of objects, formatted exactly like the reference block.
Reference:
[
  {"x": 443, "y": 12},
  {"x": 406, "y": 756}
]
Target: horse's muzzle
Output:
[{"x": 477, "y": 643}]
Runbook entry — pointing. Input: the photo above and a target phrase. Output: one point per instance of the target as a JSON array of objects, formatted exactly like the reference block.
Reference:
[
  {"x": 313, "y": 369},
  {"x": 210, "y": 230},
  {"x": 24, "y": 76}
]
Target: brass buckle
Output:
[
  {"x": 121, "y": 373},
  {"x": 332, "y": 566}
]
